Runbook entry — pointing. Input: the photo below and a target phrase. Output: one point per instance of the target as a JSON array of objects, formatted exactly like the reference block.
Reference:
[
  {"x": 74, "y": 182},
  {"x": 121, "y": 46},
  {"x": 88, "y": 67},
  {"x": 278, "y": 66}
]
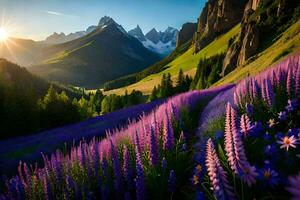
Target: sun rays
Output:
[
  {"x": 3, "y": 35},
  {"x": 8, "y": 44}
]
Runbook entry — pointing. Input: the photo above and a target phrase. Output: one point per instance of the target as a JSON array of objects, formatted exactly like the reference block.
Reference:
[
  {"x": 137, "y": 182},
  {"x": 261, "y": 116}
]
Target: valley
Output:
[{"x": 156, "y": 100}]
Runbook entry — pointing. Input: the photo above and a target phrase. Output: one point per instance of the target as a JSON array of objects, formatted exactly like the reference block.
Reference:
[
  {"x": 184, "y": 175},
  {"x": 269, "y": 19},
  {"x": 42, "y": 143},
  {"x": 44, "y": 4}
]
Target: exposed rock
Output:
[
  {"x": 249, "y": 44},
  {"x": 153, "y": 35},
  {"x": 137, "y": 33},
  {"x": 231, "y": 58},
  {"x": 186, "y": 33},
  {"x": 217, "y": 17}
]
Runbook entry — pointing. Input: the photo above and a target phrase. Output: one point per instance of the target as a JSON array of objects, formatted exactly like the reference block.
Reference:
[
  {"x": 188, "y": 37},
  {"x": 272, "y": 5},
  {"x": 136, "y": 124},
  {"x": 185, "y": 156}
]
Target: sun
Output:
[{"x": 3, "y": 35}]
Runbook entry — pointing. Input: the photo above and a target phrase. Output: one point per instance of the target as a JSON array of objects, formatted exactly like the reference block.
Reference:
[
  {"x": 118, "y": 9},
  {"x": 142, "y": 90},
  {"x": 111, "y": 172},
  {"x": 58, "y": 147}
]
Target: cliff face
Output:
[
  {"x": 186, "y": 33},
  {"x": 217, "y": 17},
  {"x": 257, "y": 27}
]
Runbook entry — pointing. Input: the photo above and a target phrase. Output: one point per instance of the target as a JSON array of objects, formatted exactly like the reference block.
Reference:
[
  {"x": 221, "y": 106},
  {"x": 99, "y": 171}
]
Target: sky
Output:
[{"x": 37, "y": 19}]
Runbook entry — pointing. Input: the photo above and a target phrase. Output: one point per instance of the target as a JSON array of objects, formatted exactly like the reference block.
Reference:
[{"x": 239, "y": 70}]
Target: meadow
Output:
[{"x": 230, "y": 142}]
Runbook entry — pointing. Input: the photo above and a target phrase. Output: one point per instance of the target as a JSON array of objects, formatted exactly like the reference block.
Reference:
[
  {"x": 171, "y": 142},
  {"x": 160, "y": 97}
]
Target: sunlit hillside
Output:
[{"x": 187, "y": 62}]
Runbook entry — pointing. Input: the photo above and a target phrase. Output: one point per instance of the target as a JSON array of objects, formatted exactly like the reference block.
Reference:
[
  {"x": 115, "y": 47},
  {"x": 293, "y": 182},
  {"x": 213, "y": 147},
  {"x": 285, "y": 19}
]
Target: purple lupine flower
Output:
[
  {"x": 172, "y": 181},
  {"x": 126, "y": 165},
  {"x": 140, "y": 178},
  {"x": 217, "y": 175},
  {"x": 294, "y": 186},
  {"x": 117, "y": 168},
  {"x": 154, "y": 152},
  {"x": 246, "y": 125},
  {"x": 70, "y": 184},
  {"x": 168, "y": 133}
]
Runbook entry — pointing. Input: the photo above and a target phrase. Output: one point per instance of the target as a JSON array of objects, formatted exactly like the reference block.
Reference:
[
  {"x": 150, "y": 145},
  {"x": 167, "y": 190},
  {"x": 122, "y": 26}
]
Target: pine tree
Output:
[
  {"x": 169, "y": 86},
  {"x": 154, "y": 94},
  {"x": 180, "y": 82}
]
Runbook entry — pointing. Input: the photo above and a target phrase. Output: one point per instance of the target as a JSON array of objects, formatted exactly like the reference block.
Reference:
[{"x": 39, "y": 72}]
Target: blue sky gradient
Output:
[{"x": 36, "y": 19}]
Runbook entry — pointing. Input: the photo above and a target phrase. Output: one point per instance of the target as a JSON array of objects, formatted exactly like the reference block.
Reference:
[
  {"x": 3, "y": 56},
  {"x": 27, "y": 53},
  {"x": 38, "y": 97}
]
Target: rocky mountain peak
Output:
[
  {"x": 153, "y": 35},
  {"x": 106, "y": 20},
  {"x": 170, "y": 34},
  {"x": 137, "y": 33}
]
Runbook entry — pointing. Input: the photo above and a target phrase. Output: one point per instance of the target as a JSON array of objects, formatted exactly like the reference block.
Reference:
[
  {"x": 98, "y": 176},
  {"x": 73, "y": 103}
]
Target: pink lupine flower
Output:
[
  {"x": 246, "y": 125},
  {"x": 290, "y": 82},
  {"x": 267, "y": 92},
  {"x": 235, "y": 149},
  {"x": 168, "y": 133},
  {"x": 229, "y": 146},
  {"x": 287, "y": 142},
  {"x": 217, "y": 175}
]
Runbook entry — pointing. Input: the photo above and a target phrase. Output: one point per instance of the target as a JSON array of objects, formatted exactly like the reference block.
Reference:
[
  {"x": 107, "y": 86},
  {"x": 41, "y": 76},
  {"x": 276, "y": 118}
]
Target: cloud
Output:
[{"x": 58, "y": 13}]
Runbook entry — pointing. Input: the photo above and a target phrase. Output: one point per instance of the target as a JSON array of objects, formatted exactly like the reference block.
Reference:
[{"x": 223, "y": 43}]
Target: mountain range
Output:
[
  {"x": 92, "y": 57},
  {"x": 162, "y": 42},
  {"x": 106, "y": 53},
  {"x": 57, "y": 38}
]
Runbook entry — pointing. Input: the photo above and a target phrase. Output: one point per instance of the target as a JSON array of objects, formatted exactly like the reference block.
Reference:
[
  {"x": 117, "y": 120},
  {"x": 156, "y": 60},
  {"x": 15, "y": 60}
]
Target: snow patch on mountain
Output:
[
  {"x": 160, "y": 42},
  {"x": 160, "y": 47}
]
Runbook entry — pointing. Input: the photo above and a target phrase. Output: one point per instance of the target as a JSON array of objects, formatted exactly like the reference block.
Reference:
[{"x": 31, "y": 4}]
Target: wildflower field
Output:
[{"x": 231, "y": 142}]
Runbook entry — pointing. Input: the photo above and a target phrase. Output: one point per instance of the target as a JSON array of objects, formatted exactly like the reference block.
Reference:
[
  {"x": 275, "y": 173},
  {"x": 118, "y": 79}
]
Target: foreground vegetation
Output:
[
  {"x": 149, "y": 158},
  {"x": 257, "y": 155},
  {"x": 155, "y": 158}
]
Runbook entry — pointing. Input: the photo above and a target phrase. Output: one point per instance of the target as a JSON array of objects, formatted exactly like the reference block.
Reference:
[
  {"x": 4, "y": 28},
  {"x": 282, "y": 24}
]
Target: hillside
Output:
[
  {"x": 22, "y": 51},
  {"x": 188, "y": 62},
  {"x": 287, "y": 43},
  {"x": 21, "y": 112},
  {"x": 268, "y": 30}
]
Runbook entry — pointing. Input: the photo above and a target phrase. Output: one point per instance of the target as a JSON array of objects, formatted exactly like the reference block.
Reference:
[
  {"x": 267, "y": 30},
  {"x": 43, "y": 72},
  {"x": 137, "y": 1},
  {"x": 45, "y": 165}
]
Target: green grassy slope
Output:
[
  {"x": 187, "y": 62},
  {"x": 287, "y": 43}
]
